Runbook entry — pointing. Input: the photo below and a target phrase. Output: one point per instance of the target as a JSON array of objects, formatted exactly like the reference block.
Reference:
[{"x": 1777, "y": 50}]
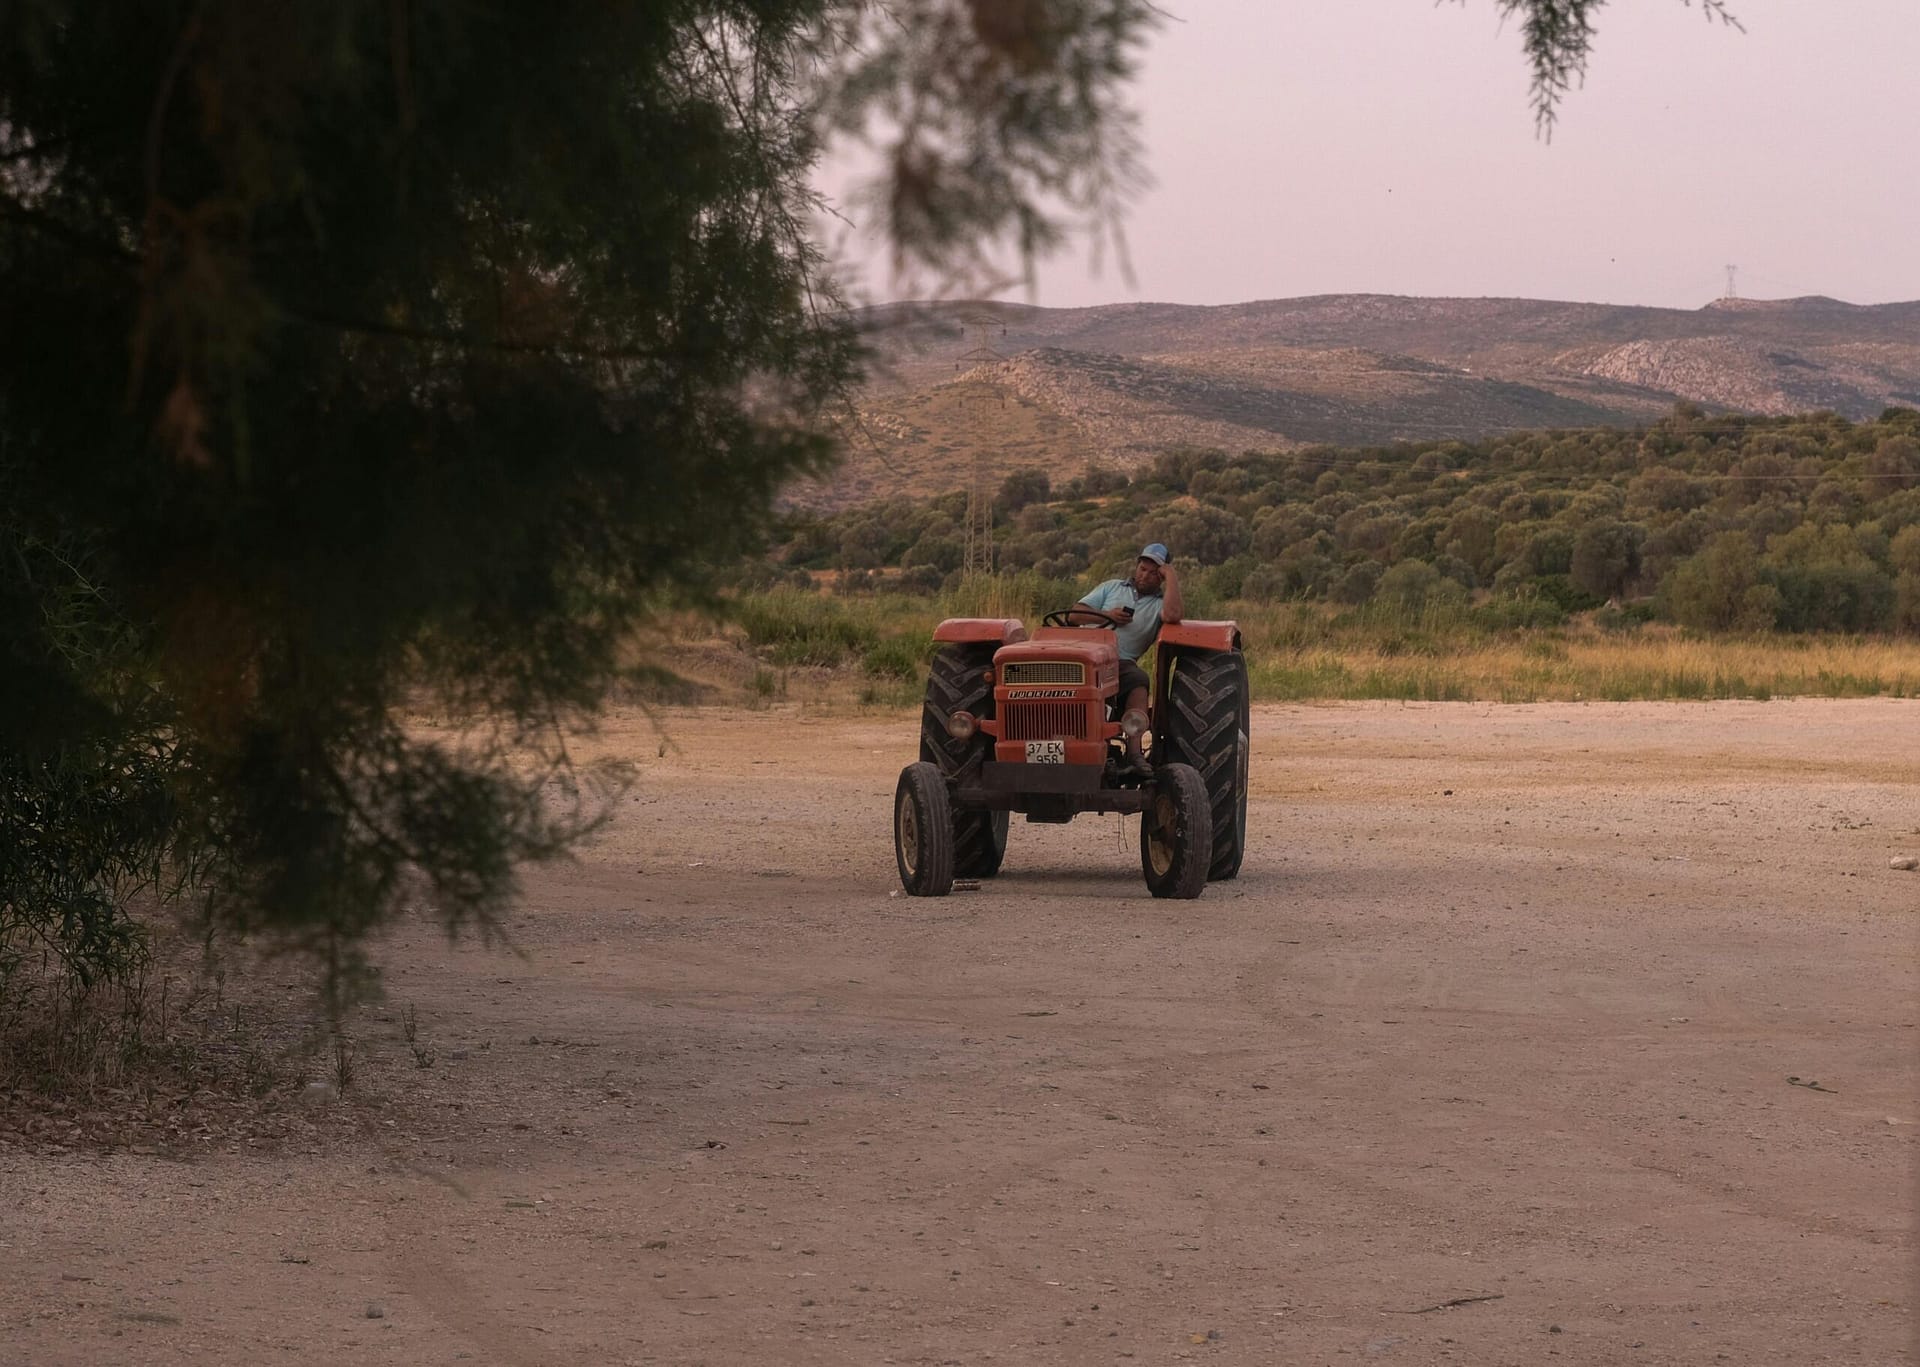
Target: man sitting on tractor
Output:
[{"x": 1135, "y": 607}]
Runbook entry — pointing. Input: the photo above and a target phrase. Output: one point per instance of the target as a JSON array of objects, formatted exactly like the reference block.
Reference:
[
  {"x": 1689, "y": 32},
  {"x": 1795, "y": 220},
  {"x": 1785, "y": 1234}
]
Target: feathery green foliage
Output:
[
  {"x": 1730, "y": 523},
  {"x": 358, "y": 349}
]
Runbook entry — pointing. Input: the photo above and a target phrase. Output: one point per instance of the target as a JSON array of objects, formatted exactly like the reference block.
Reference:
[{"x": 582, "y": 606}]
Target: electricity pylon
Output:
[{"x": 979, "y": 537}]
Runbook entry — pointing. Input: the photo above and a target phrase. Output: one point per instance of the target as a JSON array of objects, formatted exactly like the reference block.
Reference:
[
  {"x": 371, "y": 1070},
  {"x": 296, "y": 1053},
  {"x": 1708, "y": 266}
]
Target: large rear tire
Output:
[
  {"x": 923, "y": 832},
  {"x": 958, "y": 681},
  {"x": 1176, "y": 834},
  {"x": 1208, "y": 715}
]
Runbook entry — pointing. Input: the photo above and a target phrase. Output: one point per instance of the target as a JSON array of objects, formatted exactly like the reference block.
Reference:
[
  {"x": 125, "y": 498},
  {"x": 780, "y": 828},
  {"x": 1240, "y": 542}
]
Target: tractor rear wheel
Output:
[
  {"x": 959, "y": 681},
  {"x": 1208, "y": 714},
  {"x": 923, "y": 832},
  {"x": 1176, "y": 834}
]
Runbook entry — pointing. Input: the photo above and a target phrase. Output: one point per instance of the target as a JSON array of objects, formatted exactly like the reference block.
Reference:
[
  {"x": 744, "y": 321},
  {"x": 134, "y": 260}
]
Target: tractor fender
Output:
[
  {"x": 967, "y": 630},
  {"x": 1200, "y": 636}
]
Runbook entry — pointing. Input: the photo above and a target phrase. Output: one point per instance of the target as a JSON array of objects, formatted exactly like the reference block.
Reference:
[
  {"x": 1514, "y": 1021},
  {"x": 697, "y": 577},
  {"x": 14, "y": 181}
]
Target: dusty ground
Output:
[{"x": 1488, "y": 1057}]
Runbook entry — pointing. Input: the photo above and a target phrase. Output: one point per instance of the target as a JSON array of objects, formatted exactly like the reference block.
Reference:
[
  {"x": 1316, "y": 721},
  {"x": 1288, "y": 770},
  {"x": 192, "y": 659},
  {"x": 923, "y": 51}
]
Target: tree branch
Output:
[
  {"x": 49, "y": 226},
  {"x": 440, "y": 337}
]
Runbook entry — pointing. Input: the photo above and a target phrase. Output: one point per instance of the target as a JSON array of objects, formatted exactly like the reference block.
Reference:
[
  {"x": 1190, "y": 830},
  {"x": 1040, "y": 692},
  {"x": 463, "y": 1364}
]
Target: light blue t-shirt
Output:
[{"x": 1138, "y": 634}]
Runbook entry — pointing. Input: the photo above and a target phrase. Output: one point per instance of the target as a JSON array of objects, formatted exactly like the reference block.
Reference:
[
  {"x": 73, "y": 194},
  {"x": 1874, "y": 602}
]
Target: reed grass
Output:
[{"x": 1310, "y": 652}]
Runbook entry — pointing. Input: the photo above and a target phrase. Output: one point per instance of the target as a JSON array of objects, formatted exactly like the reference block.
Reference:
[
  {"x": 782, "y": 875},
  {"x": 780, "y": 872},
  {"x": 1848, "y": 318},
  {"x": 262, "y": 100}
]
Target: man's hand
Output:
[{"x": 1109, "y": 614}]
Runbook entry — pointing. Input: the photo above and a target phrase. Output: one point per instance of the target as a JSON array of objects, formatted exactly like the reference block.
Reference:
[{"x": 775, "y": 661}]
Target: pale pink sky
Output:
[{"x": 1387, "y": 146}]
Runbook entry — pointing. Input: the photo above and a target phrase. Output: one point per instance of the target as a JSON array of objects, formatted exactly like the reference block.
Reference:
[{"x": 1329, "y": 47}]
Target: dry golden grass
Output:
[
  {"x": 1578, "y": 663},
  {"x": 1301, "y": 652}
]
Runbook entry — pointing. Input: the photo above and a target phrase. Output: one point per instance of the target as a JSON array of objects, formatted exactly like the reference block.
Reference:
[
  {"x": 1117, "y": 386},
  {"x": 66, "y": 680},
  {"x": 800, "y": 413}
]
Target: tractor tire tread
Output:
[
  {"x": 926, "y": 870},
  {"x": 956, "y": 681},
  {"x": 1208, "y": 713},
  {"x": 1186, "y": 877}
]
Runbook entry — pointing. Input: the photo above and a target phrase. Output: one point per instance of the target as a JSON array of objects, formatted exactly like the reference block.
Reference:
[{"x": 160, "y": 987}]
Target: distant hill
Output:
[{"x": 1065, "y": 388}]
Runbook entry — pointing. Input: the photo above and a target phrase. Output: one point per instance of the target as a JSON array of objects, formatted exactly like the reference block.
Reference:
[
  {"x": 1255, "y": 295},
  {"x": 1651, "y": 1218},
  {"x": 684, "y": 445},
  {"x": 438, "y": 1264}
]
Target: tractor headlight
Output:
[
  {"x": 961, "y": 725},
  {"x": 1134, "y": 724}
]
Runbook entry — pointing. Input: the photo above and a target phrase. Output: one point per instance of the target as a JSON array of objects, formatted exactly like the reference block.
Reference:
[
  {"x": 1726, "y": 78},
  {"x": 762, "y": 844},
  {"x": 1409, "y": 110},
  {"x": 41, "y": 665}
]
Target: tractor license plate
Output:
[{"x": 1046, "y": 752}]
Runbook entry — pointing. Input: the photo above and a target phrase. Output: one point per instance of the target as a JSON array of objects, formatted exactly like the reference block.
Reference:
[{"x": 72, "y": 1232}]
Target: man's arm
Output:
[
  {"x": 1085, "y": 614},
  {"x": 1077, "y": 615},
  {"x": 1170, "y": 597}
]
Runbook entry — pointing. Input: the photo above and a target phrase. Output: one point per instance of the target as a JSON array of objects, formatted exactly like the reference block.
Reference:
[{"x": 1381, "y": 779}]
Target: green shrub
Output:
[
  {"x": 1906, "y": 602},
  {"x": 1720, "y": 588},
  {"x": 799, "y": 628},
  {"x": 1414, "y": 591},
  {"x": 1268, "y": 584},
  {"x": 91, "y": 789},
  {"x": 1358, "y": 583},
  {"x": 1519, "y": 612},
  {"x": 1606, "y": 556},
  {"x": 767, "y": 686},
  {"x": 1021, "y": 488},
  {"x": 1563, "y": 593},
  {"x": 1623, "y": 617},
  {"x": 897, "y": 657},
  {"x": 1228, "y": 579},
  {"x": 1571, "y": 519},
  {"x": 924, "y": 580}
]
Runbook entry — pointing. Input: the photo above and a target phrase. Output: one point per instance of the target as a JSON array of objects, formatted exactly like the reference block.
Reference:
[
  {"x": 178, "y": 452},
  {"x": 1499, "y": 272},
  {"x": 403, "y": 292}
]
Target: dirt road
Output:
[{"x": 1502, "y": 1050}]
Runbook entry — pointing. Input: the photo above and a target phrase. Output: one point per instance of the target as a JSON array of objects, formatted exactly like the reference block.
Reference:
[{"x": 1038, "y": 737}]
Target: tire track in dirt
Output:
[
  {"x": 1425, "y": 993},
  {"x": 419, "y": 1266}
]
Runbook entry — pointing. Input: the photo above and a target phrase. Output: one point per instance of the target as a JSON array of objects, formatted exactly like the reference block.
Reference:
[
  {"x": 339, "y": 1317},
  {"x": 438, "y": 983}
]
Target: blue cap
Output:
[{"x": 1156, "y": 552}]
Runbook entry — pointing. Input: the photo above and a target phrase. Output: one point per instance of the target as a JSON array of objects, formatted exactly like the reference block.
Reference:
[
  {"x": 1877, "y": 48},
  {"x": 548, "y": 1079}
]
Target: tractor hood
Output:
[{"x": 1061, "y": 656}]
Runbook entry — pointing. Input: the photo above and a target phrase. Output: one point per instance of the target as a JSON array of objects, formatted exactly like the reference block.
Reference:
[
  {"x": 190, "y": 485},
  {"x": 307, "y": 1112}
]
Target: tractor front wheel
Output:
[
  {"x": 961, "y": 680},
  {"x": 923, "y": 831},
  {"x": 1176, "y": 833}
]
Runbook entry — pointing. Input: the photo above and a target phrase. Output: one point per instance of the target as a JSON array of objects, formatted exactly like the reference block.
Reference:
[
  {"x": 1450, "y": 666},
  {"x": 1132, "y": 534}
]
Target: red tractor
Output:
[{"x": 1014, "y": 723}]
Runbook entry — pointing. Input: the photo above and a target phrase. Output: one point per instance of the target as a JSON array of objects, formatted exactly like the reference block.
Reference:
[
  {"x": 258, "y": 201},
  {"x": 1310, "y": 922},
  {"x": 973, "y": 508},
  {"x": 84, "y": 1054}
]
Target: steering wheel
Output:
[{"x": 1059, "y": 619}]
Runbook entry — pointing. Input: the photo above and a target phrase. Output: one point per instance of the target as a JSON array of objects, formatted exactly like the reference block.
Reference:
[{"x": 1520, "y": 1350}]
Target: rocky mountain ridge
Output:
[{"x": 1001, "y": 386}]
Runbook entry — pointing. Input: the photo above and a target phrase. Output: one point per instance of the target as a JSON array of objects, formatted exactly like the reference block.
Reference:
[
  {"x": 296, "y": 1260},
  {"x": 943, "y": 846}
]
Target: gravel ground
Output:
[{"x": 1568, "y": 1032}]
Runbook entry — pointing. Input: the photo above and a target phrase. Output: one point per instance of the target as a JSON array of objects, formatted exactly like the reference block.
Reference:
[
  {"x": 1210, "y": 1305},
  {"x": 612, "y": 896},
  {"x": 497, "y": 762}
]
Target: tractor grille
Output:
[
  {"x": 1043, "y": 672},
  {"x": 1045, "y": 721}
]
